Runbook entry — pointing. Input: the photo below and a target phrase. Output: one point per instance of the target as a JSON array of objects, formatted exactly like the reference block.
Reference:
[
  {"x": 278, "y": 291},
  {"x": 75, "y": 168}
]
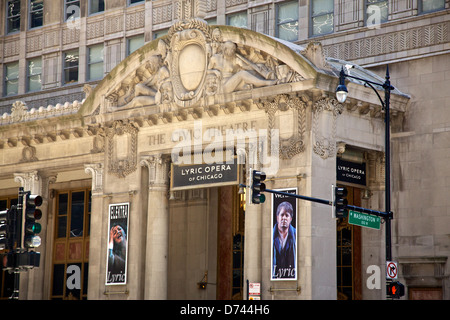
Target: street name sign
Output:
[{"x": 364, "y": 220}]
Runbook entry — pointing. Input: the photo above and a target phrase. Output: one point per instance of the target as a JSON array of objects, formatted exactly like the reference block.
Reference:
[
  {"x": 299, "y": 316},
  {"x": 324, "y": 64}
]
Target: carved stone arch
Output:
[{"x": 161, "y": 76}]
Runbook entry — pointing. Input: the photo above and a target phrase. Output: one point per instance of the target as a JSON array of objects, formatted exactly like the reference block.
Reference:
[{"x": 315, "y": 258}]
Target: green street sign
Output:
[{"x": 364, "y": 220}]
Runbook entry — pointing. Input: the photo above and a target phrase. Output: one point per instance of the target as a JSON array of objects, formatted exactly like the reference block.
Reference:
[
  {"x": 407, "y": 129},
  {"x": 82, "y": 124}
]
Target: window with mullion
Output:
[
  {"x": 322, "y": 16},
  {"x": 431, "y": 5},
  {"x": 237, "y": 19},
  {"x": 96, "y": 6},
  {"x": 134, "y": 43},
  {"x": 12, "y": 16},
  {"x": 71, "y": 59},
  {"x": 287, "y": 21},
  {"x": 34, "y": 82},
  {"x": 36, "y": 13},
  {"x": 11, "y": 78},
  {"x": 95, "y": 62}
]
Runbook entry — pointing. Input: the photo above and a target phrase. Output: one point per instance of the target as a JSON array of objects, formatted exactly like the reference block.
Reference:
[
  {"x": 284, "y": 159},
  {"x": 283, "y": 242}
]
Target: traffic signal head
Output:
[
  {"x": 4, "y": 226},
  {"x": 7, "y": 228},
  {"x": 395, "y": 290},
  {"x": 30, "y": 226},
  {"x": 258, "y": 186},
  {"x": 340, "y": 202}
]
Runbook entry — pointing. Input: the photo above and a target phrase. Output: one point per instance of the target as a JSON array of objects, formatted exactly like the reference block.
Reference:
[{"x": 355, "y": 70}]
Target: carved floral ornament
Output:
[
  {"x": 122, "y": 148},
  {"x": 195, "y": 62}
]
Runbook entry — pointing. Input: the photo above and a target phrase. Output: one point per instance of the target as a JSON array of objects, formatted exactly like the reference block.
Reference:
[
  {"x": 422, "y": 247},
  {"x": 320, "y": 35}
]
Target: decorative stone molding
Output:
[
  {"x": 30, "y": 181},
  {"x": 187, "y": 9},
  {"x": 288, "y": 147},
  {"x": 20, "y": 112},
  {"x": 96, "y": 170},
  {"x": 122, "y": 155},
  {"x": 158, "y": 169},
  {"x": 413, "y": 38},
  {"x": 194, "y": 65},
  {"x": 35, "y": 182},
  {"x": 28, "y": 154},
  {"x": 325, "y": 146}
]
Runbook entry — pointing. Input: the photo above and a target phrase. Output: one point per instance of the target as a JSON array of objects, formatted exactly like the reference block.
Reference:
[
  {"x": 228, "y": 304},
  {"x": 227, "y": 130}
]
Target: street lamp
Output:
[{"x": 341, "y": 95}]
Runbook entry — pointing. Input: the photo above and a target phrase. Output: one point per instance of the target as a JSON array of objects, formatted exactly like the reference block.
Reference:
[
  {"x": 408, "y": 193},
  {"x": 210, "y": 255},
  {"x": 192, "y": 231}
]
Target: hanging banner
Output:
[
  {"x": 116, "y": 263},
  {"x": 284, "y": 236}
]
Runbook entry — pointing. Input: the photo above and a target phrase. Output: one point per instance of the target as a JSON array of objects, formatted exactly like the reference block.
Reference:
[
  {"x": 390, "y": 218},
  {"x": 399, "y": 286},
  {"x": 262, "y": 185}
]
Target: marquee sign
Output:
[
  {"x": 350, "y": 172},
  {"x": 189, "y": 176}
]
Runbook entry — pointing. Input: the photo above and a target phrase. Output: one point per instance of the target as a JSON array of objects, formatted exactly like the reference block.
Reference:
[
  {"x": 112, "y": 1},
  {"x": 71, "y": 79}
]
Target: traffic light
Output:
[
  {"x": 4, "y": 229},
  {"x": 395, "y": 290},
  {"x": 7, "y": 228},
  {"x": 258, "y": 186},
  {"x": 340, "y": 202},
  {"x": 30, "y": 226}
]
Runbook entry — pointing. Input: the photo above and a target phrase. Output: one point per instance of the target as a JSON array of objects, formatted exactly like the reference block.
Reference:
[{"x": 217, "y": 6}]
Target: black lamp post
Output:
[{"x": 341, "y": 95}]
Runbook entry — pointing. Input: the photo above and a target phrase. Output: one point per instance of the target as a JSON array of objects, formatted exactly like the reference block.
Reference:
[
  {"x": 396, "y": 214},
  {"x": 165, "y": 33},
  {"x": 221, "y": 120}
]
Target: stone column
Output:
[
  {"x": 97, "y": 255},
  {"x": 157, "y": 242},
  {"x": 32, "y": 281}
]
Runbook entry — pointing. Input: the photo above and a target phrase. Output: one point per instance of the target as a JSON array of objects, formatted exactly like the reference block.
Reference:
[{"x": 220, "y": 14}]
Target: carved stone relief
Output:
[
  {"x": 194, "y": 62},
  {"x": 325, "y": 146},
  {"x": 96, "y": 170},
  {"x": 288, "y": 146},
  {"x": 122, "y": 148}
]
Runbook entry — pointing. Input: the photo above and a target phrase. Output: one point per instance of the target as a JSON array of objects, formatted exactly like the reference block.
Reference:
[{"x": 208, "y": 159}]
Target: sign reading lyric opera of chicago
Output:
[
  {"x": 204, "y": 175},
  {"x": 350, "y": 172}
]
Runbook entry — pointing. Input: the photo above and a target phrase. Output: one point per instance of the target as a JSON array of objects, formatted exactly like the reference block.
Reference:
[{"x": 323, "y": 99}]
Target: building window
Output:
[
  {"x": 134, "y": 43},
  {"x": 11, "y": 78},
  {"x": 376, "y": 12},
  {"x": 322, "y": 16},
  {"x": 211, "y": 21},
  {"x": 237, "y": 19},
  {"x": 71, "y": 59},
  {"x": 34, "y": 70},
  {"x": 431, "y": 5},
  {"x": 95, "y": 62},
  {"x": 287, "y": 21},
  {"x": 36, "y": 13},
  {"x": 71, "y": 245},
  {"x": 159, "y": 33},
  {"x": 13, "y": 16},
  {"x": 134, "y": 1},
  {"x": 72, "y": 10},
  {"x": 96, "y": 6}
]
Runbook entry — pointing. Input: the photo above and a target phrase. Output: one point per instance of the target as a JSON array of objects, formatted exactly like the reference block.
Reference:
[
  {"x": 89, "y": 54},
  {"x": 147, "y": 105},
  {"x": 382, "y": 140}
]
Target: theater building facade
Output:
[{"x": 145, "y": 180}]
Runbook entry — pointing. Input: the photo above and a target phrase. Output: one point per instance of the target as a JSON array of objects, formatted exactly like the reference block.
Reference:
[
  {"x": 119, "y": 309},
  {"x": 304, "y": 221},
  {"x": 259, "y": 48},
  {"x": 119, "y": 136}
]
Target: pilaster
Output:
[{"x": 157, "y": 241}]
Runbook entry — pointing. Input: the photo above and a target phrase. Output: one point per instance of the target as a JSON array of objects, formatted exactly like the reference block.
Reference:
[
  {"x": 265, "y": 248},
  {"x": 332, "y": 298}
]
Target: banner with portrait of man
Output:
[
  {"x": 284, "y": 236},
  {"x": 116, "y": 263}
]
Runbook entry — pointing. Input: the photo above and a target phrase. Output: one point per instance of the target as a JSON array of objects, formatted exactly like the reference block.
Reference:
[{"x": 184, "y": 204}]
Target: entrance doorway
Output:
[
  {"x": 230, "y": 253},
  {"x": 348, "y": 253}
]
